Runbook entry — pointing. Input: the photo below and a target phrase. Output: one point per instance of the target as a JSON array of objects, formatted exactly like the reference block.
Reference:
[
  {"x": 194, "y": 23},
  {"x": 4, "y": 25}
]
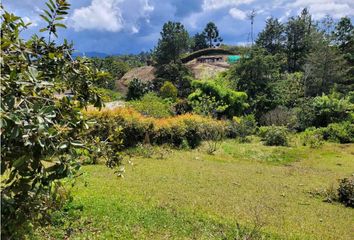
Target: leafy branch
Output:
[{"x": 53, "y": 15}]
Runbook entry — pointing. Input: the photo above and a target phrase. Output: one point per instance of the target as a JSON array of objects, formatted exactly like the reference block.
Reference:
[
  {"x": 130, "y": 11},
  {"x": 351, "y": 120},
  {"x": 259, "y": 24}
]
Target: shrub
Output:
[
  {"x": 323, "y": 110},
  {"x": 242, "y": 127},
  {"x": 346, "y": 191},
  {"x": 339, "y": 132},
  {"x": 152, "y": 105},
  {"x": 108, "y": 95},
  {"x": 312, "y": 137},
  {"x": 137, "y": 128},
  {"x": 168, "y": 90},
  {"x": 182, "y": 106},
  {"x": 279, "y": 116},
  {"x": 137, "y": 89},
  {"x": 274, "y": 136},
  {"x": 227, "y": 102}
]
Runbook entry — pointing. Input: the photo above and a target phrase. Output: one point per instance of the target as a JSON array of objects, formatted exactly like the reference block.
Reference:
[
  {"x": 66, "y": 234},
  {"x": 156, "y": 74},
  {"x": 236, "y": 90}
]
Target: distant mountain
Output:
[{"x": 90, "y": 54}]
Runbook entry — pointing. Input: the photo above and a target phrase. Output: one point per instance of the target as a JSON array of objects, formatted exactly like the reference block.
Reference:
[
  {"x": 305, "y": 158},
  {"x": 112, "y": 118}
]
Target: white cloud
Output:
[
  {"x": 100, "y": 15},
  {"x": 319, "y": 9},
  {"x": 237, "y": 14},
  {"x": 111, "y": 15},
  {"x": 217, "y": 4},
  {"x": 135, "y": 29}
]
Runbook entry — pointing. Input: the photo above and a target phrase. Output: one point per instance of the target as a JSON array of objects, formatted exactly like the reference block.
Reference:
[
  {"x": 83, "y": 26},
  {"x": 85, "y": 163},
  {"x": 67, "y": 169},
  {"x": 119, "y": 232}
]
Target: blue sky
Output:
[{"x": 132, "y": 26}]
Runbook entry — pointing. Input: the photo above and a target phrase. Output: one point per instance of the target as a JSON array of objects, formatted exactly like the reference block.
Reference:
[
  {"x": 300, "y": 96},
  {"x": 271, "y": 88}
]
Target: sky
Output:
[{"x": 132, "y": 26}]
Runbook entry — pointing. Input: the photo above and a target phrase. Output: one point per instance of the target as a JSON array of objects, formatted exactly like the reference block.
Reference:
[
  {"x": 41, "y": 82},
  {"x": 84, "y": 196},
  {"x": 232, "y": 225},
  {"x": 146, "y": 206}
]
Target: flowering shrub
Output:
[{"x": 137, "y": 128}]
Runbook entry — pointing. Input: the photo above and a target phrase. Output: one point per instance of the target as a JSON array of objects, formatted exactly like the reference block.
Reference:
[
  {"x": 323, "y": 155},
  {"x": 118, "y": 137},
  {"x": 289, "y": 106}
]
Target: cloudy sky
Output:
[{"x": 131, "y": 26}]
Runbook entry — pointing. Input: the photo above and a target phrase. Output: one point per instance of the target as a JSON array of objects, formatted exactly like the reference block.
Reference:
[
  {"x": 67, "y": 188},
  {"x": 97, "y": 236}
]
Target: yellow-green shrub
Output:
[{"x": 137, "y": 128}]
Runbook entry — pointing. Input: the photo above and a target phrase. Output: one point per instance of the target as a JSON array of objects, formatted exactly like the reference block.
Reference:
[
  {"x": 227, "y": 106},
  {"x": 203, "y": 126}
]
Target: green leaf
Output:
[
  {"x": 49, "y": 15},
  {"x": 19, "y": 162},
  {"x": 50, "y": 7},
  {"x": 59, "y": 25},
  {"x": 45, "y": 18}
]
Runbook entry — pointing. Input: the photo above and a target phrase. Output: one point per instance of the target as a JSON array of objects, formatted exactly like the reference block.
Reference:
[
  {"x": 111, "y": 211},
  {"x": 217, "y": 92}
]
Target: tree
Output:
[
  {"x": 173, "y": 42},
  {"x": 137, "y": 89},
  {"x": 255, "y": 75},
  {"x": 168, "y": 90},
  {"x": 40, "y": 131},
  {"x": 344, "y": 39},
  {"x": 344, "y": 35},
  {"x": 298, "y": 30},
  {"x": 272, "y": 38},
  {"x": 199, "y": 42},
  {"x": 212, "y": 34}
]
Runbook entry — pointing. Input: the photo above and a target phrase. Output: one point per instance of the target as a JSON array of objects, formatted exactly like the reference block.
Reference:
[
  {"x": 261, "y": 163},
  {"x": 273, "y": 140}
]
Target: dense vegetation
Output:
[{"x": 292, "y": 90}]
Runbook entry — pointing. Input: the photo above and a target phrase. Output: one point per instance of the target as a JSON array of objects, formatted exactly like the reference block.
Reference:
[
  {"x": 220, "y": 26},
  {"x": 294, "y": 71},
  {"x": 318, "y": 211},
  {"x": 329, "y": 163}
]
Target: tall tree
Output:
[
  {"x": 298, "y": 31},
  {"x": 254, "y": 75},
  {"x": 212, "y": 34},
  {"x": 199, "y": 42},
  {"x": 344, "y": 34},
  {"x": 272, "y": 38},
  {"x": 344, "y": 39},
  {"x": 325, "y": 67},
  {"x": 173, "y": 42}
]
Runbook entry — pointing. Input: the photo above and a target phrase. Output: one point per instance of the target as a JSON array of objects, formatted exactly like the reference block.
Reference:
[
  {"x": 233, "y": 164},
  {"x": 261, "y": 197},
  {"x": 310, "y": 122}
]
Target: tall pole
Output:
[{"x": 251, "y": 16}]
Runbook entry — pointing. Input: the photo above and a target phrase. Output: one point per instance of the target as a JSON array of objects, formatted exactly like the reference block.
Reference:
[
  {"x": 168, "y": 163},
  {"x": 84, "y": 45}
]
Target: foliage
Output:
[
  {"x": 108, "y": 95},
  {"x": 346, "y": 191},
  {"x": 312, "y": 137},
  {"x": 242, "y": 127},
  {"x": 323, "y": 110},
  {"x": 173, "y": 42},
  {"x": 274, "y": 136},
  {"x": 137, "y": 128},
  {"x": 206, "y": 105},
  {"x": 272, "y": 37},
  {"x": 176, "y": 73},
  {"x": 324, "y": 67},
  {"x": 212, "y": 34},
  {"x": 279, "y": 116},
  {"x": 137, "y": 89},
  {"x": 114, "y": 69},
  {"x": 199, "y": 42},
  {"x": 298, "y": 40},
  {"x": 223, "y": 101},
  {"x": 254, "y": 74},
  {"x": 339, "y": 132},
  {"x": 168, "y": 90},
  {"x": 290, "y": 89},
  {"x": 182, "y": 106},
  {"x": 152, "y": 105},
  {"x": 39, "y": 130}
]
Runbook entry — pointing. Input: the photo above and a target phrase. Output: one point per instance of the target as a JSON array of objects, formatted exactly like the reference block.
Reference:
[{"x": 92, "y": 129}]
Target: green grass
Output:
[{"x": 193, "y": 195}]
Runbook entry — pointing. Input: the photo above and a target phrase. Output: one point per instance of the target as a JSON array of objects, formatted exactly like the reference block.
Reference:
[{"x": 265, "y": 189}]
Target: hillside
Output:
[{"x": 146, "y": 73}]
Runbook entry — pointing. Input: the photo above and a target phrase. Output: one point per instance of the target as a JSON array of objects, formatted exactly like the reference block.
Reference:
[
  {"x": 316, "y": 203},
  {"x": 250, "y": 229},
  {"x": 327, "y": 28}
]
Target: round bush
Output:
[
  {"x": 346, "y": 191},
  {"x": 168, "y": 90},
  {"x": 274, "y": 136}
]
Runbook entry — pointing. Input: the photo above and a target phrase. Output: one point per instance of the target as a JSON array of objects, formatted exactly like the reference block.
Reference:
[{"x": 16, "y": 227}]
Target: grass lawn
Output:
[{"x": 192, "y": 195}]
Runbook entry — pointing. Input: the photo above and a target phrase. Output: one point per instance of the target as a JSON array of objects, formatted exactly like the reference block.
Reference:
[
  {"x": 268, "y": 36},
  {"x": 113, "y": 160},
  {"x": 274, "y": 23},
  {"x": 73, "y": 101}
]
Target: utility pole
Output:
[{"x": 251, "y": 17}]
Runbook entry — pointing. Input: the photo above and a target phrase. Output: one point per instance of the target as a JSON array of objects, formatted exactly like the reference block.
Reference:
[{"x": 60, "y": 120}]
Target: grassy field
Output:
[{"x": 241, "y": 190}]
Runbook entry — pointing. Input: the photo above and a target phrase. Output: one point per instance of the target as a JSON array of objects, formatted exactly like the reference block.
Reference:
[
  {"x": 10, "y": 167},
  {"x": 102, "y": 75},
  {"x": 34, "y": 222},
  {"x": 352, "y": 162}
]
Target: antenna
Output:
[{"x": 251, "y": 15}]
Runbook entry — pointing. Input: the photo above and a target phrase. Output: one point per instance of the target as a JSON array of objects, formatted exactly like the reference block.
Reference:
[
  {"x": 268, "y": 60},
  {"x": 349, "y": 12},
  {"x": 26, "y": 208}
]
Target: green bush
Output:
[
  {"x": 312, "y": 137},
  {"x": 323, "y": 110},
  {"x": 242, "y": 127},
  {"x": 346, "y": 191},
  {"x": 152, "y": 105},
  {"x": 168, "y": 90},
  {"x": 182, "y": 106},
  {"x": 339, "y": 132},
  {"x": 108, "y": 95},
  {"x": 137, "y": 89},
  {"x": 229, "y": 103},
  {"x": 274, "y": 135}
]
